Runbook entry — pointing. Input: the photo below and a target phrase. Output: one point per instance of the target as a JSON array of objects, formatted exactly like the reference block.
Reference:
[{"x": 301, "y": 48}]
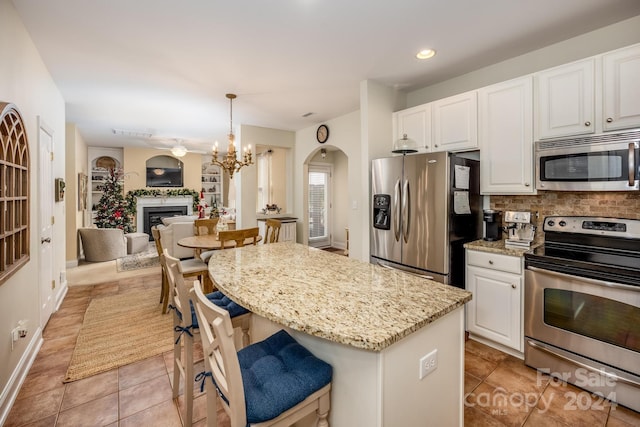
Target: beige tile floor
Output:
[{"x": 140, "y": 394}]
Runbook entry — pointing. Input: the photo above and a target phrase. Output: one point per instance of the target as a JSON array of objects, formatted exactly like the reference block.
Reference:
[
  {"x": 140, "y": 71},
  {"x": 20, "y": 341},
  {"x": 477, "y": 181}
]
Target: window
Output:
[{"x": 14, "y": 192}]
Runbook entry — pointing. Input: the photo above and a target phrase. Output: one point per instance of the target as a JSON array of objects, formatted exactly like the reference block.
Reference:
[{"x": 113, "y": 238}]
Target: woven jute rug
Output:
[{"x": 118, "y": 330}]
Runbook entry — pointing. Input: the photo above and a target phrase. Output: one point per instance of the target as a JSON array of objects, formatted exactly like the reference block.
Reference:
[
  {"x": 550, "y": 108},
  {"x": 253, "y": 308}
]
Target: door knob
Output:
[{"x": 47, "y": 240}]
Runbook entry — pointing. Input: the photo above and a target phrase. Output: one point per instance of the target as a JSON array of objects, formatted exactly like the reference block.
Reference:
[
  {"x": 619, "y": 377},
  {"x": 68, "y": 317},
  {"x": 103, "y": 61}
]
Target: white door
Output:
[
  {"x": 319, "y": 205},
  {"x": 45, "y": 143}
]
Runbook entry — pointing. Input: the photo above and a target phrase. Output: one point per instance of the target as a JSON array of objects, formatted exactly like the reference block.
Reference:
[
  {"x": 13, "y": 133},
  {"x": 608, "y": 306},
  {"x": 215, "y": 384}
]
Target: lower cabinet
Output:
[{"x": 495, "y": 311}]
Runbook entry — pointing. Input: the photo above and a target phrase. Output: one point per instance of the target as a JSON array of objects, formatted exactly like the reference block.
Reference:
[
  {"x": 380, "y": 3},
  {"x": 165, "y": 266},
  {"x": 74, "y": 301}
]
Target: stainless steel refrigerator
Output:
[{"x": 424, "y": 208}]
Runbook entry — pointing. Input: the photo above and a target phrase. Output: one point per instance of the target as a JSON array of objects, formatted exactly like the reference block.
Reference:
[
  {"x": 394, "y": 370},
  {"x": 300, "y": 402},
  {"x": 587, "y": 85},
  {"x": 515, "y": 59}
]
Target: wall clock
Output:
[{"x": 322, "y": 134}]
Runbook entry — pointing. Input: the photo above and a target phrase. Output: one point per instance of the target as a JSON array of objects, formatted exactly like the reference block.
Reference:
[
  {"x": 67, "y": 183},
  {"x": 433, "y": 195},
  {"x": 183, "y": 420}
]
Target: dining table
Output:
[{"x": 207, "y": 242}]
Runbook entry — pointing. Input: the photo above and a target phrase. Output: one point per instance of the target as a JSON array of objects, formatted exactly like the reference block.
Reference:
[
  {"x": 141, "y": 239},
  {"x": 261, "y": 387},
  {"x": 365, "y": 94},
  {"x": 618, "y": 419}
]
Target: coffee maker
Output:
[
  {"x": 493, "y": 224},
  {"x": 519, "y": 228}
]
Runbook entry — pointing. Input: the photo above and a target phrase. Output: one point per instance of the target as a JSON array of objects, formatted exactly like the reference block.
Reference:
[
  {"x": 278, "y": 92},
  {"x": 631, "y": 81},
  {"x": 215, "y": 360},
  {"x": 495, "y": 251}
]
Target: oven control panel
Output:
[{"x": 618, "y": 227}]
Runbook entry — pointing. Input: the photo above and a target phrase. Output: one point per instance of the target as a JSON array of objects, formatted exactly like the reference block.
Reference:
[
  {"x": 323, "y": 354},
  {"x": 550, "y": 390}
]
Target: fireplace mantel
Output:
[{"x": 147, "y": 201}]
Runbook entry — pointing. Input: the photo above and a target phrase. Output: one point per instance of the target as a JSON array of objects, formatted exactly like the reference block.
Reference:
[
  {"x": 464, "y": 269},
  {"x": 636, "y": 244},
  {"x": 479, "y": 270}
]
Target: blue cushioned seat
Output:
[
  {"x": 222, "y": 301},
  {"x": 277, "y": 374}
]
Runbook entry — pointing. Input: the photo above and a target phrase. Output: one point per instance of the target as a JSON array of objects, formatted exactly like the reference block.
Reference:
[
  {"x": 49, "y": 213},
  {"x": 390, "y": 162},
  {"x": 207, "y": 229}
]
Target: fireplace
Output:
[
  {"x": 160, "y": 207},
  {"x": 153, "y": 215}
]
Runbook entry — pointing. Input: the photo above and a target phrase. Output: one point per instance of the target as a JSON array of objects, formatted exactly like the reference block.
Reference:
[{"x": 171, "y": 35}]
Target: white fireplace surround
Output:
[{"x": 143, "y": 202}]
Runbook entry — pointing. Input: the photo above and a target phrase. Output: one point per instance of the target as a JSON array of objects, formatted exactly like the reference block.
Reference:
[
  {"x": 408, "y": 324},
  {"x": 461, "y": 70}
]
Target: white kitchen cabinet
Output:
[
  {"x": 415, "y": 122},
  {"x": 288, "y": 232},
  {"x": 506, "y": 137},
  {"x": 566, "y": 100},
  {"x": 495, "y": 311},
  {"x": 455, "y": 122},
  {"x": 621, "y": 88}
]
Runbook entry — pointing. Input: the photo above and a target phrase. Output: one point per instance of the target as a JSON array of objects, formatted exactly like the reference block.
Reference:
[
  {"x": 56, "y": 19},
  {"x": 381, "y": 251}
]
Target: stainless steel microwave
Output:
[{"x": 607, "y": 162}]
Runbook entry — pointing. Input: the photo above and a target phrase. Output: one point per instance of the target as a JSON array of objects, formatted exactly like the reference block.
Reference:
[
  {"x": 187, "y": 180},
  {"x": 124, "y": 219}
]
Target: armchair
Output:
[{"x": 102, "y": 244}]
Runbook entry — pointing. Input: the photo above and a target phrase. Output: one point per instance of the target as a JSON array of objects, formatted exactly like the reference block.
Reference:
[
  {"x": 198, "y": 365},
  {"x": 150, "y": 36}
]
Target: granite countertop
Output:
[
  {"x": 498, "y": 247},
  {"x": 331, "y": 296}
]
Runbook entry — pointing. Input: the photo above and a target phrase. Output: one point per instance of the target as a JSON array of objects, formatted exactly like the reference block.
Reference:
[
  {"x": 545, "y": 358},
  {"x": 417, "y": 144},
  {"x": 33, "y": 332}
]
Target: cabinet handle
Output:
[
  {"x": 436, "y": 145},
  {"x": 490, "y": 262},
  {"x": 426, "y": 146},
  {"x": 513, "y": 286},
  {"x": 587, "y": 123},
  {"x": 609, "y": 119},
  {"x": 526, "y": 184}
]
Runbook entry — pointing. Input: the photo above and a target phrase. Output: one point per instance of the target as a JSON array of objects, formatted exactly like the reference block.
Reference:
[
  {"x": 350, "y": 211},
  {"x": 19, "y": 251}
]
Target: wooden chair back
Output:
[
  {"x": 164, "y": 291},
  {"x": 239, "y": 236},
  {"x": 205, "y": 226},
  {"x": 220, "y": 358},
  {"x": 272, "y": 231}
]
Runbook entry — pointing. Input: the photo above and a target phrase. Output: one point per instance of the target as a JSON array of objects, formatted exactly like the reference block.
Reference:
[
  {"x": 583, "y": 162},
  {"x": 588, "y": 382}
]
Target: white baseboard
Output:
[{"x": 10, "y": 392}]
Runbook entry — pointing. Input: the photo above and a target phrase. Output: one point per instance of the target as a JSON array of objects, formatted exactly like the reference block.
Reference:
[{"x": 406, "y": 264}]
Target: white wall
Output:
[{"x": 25, "y": 82}]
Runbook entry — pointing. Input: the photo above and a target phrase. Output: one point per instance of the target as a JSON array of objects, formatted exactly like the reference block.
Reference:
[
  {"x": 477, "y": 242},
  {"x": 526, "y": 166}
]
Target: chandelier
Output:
[{"x": 230, "y": 162}]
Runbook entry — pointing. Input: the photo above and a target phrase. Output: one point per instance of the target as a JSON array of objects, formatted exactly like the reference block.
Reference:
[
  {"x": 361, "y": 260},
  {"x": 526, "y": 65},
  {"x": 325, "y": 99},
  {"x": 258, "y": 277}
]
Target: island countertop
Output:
[{"x": 331, "y": 296}]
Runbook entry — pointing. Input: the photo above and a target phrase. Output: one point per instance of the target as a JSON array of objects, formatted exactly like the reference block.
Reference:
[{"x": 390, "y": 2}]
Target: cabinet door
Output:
[
  {"x": 455, "y": 122},
  {"x": 506, "y": 137},
  {"x": 494, "y": 311},
  {"x": 621, "y": 85},
  {"x": 565, "y": 100},
  {"x": 288, "y": 232},
  {"x": 414, "y": 122}
]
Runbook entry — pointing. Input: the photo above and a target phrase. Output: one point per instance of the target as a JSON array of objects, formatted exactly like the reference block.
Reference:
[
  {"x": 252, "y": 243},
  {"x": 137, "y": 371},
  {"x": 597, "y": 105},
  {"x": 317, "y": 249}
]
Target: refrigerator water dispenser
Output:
[{"x": 382, "y": 211}]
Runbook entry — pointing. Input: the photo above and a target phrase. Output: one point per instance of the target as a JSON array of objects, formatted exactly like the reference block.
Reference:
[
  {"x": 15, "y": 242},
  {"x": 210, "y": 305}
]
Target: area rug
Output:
[
  {"x": 118, "y": 330},
  {"x": 146, "y": 259}
]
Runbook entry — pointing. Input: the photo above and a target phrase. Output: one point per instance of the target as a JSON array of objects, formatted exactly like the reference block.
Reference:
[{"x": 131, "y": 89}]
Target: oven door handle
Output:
[
  {"x": 586, "y": 279},
  {"x": 632, "y": 164},
  {"x": 583, "y": 365}
]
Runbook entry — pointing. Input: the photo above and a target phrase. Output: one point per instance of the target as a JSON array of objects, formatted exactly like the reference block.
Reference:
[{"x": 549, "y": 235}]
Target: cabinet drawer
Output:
[{"x": 510, "y": 264}]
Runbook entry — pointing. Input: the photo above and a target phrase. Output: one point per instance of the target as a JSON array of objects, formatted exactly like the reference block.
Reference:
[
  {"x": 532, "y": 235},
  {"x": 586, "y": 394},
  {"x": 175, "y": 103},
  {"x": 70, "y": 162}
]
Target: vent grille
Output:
[{"x": 588, "y": 140}]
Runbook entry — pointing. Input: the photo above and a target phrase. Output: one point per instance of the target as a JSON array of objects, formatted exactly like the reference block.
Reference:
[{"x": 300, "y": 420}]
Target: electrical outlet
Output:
[{"x": 428, "y": 363}]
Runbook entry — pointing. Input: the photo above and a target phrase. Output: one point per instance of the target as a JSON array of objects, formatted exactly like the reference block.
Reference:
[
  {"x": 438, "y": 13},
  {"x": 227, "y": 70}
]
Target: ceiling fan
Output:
[{"x": 178, "y": 147}]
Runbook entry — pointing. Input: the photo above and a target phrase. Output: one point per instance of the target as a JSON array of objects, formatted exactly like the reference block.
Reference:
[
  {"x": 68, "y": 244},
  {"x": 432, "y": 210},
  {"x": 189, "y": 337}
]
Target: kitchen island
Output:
[{"x": 373, "y": 325}]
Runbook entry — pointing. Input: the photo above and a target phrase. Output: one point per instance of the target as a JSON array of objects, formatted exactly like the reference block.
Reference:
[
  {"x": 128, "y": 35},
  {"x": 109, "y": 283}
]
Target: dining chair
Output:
[
  {"x": 185, "y": 326},
  {"x": 191, "y": 267},
  {"x": 164, "y": 289},
  {"x": 272, "y": 231},
  {"x": 239, "y": 236},
  {"x": 205, "y": 226},
  {"x": 274, "y": 382}
]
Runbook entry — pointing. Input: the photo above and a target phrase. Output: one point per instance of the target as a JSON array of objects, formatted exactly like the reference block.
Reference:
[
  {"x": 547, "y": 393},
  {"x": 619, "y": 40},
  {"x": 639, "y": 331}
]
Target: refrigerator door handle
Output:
[
  {"x": 406, "y": 212},
  {"x": 396, "y": 211}
]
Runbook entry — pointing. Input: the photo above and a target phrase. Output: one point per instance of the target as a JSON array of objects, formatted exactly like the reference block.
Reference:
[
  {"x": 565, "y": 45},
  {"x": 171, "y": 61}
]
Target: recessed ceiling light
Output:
[{"x": 426, "y": 54}]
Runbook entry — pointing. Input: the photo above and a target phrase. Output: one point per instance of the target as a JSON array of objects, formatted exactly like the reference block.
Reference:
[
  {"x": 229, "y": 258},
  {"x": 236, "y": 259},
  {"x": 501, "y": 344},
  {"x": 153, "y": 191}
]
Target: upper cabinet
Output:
[
  {"x": 621, "y": 87},
  {"x": 506, "y": 137},
  {"x": 455, "y": 122},
  {"x": 449, "y": 124},
  {"x": 415, "y": 123},
  {"x": 593, "y": 95},
  {"x": 566, "y": 100}
]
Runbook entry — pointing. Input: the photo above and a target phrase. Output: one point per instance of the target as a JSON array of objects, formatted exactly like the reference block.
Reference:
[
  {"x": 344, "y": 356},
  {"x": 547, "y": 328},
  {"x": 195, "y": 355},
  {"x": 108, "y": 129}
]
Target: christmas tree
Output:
[{"x": 112, "y": 208}]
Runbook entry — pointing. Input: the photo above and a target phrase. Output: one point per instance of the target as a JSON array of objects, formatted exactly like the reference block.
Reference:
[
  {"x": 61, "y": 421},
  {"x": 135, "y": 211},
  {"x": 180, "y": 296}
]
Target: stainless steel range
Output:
[{"x": 582, "y": 305}]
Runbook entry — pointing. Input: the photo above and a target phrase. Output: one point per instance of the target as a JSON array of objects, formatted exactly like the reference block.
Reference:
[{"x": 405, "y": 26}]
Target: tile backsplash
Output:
[{"x": 605, "y": 204}]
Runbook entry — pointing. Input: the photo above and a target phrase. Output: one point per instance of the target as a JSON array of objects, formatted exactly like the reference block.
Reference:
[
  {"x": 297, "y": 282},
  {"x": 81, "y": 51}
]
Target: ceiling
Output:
[{"x": 164, "y": 66}]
